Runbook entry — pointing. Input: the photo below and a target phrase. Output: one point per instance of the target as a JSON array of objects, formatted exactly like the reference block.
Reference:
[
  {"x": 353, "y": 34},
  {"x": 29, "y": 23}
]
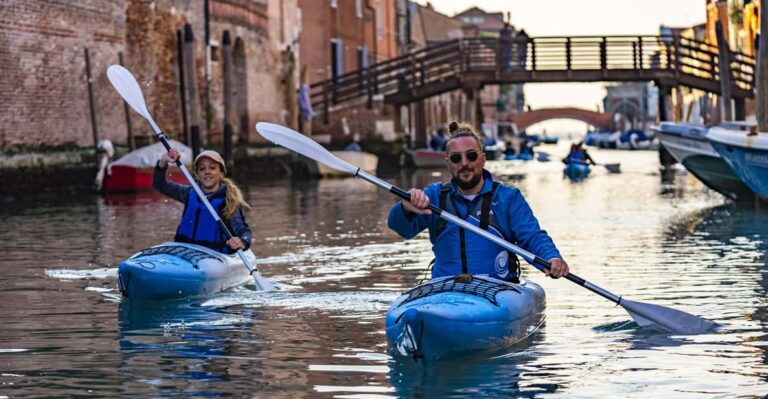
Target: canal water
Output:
[{"x": 672, "y": 242}]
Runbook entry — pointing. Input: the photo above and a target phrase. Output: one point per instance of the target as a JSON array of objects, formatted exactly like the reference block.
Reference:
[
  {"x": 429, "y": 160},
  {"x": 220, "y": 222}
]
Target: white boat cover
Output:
[{"x": 146, "y": 157}]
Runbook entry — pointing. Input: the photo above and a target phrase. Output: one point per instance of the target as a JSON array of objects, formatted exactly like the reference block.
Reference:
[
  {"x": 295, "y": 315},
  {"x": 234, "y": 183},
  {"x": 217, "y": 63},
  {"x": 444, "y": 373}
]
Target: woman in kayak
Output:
[{"x": 197, "y": 226}]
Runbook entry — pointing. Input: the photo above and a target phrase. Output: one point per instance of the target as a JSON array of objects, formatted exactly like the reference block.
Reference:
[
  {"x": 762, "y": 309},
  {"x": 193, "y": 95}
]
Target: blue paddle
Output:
[
  {"x": 125, "y": 84},
  {"x": 646, "y": 315}
]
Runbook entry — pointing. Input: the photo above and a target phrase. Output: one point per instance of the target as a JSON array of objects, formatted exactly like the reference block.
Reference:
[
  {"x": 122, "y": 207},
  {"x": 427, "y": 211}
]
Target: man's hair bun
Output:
[{"x": 453, "y": 126}]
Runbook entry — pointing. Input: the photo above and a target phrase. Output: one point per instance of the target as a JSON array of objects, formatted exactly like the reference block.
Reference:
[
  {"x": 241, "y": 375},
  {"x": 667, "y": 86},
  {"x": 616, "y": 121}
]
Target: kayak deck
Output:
[
  {"x": 173, "y": 270},
  {"x": 448, "y": 317}
]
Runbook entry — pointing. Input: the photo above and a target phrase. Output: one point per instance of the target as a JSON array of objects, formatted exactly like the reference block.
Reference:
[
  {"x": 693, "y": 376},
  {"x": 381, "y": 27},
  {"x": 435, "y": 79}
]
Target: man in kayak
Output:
[
  {"x": 578, "y": 154},
  {"x": 473, "y": 195},
  {"x": 197, "y": 226}
]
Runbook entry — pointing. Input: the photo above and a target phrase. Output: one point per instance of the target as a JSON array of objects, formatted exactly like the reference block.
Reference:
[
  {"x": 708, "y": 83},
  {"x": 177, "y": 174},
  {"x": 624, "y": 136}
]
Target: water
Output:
[{"x": 65, "y": 331}]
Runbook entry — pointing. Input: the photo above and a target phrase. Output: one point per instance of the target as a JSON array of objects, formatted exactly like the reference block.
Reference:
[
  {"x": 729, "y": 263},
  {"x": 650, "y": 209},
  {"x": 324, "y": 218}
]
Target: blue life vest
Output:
[
  {"x": 197, "y": 226},
  {"x": 459, "y": 251},
  {"x": 577, "y": 157}
]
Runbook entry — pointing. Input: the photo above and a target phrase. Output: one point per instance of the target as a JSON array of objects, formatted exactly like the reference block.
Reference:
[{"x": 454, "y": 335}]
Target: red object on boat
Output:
[
  {"x": 129, "y": 179},
  {"x": 133, "y": 172}
]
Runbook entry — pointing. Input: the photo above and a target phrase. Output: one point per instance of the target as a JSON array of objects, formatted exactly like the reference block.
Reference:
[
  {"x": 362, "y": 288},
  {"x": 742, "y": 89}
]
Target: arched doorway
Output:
[{"x": 240, "y": 91}]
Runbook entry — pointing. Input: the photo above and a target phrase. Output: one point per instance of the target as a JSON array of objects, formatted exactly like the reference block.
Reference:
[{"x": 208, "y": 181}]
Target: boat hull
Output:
[
  {"x": 747, "y": 156},
  {"x": 687, "y": 143},
  {"x": 174, "y": 270},
  {"x": 576, "y": 171},
  {"x": 427, "y": 158},
  {"x": 127, "y": 179},
  {"x": 444, "y": 318}
]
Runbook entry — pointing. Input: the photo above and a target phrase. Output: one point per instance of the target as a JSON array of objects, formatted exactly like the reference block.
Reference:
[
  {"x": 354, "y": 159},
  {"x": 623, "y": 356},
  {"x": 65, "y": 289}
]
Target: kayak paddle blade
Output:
[
  {"x": 302, "y": 144},
  {"x": 666, "y": 319},
  {"x": 128, "y": 88}
]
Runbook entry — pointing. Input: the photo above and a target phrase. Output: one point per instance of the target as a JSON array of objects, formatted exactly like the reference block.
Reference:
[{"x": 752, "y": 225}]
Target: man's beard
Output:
[{"x": 467, "y": 185}]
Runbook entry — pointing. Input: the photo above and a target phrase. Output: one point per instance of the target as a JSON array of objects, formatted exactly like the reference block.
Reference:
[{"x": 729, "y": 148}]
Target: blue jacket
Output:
[
  {"x": 513, "y": 217},
  {"x": 197, "y": 225}
]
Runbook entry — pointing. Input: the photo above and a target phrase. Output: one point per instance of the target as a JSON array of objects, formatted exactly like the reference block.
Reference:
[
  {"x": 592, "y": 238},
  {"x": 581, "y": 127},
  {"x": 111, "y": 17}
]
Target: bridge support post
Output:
[
  {"x": 761, "y": 78},
  {"x": 724, "y": 64},
  {"x": 665, "y": 103},
  {"x": 739, "y": 109},
  {"x": 420, "y": 120}
]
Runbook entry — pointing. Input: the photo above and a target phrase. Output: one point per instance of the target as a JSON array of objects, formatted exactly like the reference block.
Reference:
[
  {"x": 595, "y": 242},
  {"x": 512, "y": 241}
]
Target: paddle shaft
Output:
[{"x": 538, "y": 262}]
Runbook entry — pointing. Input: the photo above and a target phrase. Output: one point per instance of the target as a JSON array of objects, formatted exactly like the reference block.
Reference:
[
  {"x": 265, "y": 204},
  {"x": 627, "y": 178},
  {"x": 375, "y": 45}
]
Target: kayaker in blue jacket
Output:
[
  {"x": 197, "y": 226},
  {"x": 578, "y": 154},
  {"x": 472, "y": 194}
]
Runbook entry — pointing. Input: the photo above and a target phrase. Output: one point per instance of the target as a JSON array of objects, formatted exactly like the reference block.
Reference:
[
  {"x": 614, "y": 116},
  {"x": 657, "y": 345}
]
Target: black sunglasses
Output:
[{"x": 456, "y": 157}]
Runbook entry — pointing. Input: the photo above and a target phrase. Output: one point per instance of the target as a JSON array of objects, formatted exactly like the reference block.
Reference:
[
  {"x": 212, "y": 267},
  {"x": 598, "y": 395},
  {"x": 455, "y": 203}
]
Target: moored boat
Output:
[
  {"x": 426, "y": 158},
  {"x": 634, "y": 139},
  {"x": 365, "y": 160},
  {"x": 688, "y": 144},
  {"x": 745, "y": 151},
  {"x": 133, "y": 172},
  {"x": 174, "y": 270},
  {"x": 453, "y": 316}
]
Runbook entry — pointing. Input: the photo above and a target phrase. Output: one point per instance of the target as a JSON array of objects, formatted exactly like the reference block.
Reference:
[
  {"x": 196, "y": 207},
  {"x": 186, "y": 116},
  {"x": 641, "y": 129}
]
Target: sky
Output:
[{"x": 581, "y": 17}]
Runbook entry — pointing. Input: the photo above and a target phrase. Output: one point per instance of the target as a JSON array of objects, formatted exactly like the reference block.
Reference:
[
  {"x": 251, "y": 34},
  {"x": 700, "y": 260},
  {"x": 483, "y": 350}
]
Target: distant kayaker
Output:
[
  {"x": 578, "y": 154},
  {"x": 197, "y": 226},
  {"x": 473, "y": 195}
]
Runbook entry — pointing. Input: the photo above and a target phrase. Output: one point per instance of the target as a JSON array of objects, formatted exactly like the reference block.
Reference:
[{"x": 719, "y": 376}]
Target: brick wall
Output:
[
  {"x": 45, "y": 98},
  {"x": 42, "y": 44}
]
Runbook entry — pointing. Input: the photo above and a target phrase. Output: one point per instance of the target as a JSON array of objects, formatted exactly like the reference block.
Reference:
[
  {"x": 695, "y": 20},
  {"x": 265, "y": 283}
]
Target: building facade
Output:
[{"x": 45, "y": 72}]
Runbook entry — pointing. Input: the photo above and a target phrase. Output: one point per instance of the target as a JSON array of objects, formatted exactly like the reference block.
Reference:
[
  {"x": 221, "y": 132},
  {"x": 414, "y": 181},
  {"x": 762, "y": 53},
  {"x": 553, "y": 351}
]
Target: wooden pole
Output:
[
  {"x": 91, "y": 104},
  {"x": 761, "y": 77},
  {"x": 192, "y": 93},
  {"x": 183, "y": 87},
  {"x": 127, "y": 111},
  {"x": 724, "y": 63},
  {"x": 226, "y": 55}
]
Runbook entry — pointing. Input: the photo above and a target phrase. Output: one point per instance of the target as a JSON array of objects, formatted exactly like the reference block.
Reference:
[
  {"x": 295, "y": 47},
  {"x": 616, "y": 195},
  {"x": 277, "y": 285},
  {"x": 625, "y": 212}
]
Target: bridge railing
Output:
[{"x": 450, "y": 61}]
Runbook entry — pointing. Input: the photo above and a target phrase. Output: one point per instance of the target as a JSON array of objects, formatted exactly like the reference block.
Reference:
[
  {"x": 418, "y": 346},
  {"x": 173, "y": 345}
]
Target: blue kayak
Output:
[
  {"x": 174, "y": 270},
  {"x": 576, "y": 170},
  {"x": 448, "y": 317}
]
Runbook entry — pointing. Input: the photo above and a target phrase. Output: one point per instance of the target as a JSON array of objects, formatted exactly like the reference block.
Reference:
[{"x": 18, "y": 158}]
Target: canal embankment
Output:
[{"x": 61, "y": 171}]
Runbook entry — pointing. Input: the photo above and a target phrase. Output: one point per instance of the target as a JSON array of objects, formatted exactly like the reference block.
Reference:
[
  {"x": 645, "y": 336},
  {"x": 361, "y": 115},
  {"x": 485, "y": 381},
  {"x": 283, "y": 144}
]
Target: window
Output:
[
  {"x": 359, "y": 8},
  {"x": 362, "y": 57},
  {"x": 337, "y": 58},
  {"x": 334, "y": 4}
]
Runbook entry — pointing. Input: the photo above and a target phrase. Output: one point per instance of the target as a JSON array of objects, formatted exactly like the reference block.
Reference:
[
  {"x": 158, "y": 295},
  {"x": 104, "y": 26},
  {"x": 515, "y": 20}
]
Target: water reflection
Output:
[
  {"x": 509, "y": 373},
  {"x": 675, "y": 244}
]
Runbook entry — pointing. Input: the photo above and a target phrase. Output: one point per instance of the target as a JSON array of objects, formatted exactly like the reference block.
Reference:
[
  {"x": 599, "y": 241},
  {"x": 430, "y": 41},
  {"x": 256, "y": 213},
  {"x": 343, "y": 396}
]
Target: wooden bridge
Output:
[{"x": 470, "y": 64}]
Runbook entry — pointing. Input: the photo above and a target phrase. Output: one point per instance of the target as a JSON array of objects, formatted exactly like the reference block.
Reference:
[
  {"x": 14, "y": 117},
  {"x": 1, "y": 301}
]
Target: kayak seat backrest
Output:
[
  {"x": 191, "y": 255},
  {"x": 480, "y": 287}
]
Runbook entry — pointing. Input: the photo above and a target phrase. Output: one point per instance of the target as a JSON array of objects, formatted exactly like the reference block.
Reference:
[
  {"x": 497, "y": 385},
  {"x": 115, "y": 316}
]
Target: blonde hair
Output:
[{"x": 234, "y": 201}]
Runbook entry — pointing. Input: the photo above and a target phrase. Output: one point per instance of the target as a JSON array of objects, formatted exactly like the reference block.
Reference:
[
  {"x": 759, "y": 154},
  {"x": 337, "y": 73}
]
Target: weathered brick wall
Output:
[
  {"x": 42, "y": 42},
  {"x": 45, "y": 97}
]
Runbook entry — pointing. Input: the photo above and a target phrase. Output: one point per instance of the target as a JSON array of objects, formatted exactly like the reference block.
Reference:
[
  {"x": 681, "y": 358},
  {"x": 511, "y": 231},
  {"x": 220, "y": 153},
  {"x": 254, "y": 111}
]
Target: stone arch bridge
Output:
[{"x": 600, "y": 120}]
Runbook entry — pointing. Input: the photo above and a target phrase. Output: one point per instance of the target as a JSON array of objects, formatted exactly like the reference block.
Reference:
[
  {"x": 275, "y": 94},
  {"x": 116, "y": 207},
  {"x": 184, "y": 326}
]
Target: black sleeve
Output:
[
  {"x": 240, "y": 228},
  {"x": 178, "y": 192}
]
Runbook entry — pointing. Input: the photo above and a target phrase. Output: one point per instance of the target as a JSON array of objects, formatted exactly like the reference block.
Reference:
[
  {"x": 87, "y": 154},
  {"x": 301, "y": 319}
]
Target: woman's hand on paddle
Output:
[
  {"x": 418, "y": 203},
  {"x": 169, "y": 157},
  {"x": 558, "y": 268},
  {"x": 235, "y": 243}
]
